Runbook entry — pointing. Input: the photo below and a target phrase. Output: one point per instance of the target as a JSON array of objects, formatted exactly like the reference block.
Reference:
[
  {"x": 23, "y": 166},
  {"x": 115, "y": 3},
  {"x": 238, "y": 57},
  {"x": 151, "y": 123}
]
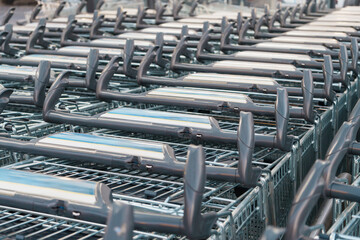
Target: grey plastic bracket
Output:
[
  {"x": 95, "y": 27},
  {"x": 35, "y": 12},
  {"x": 5, "y": 39},
  {"x": 354, "y": 49},
  {"x": 7, "y": 16},
  {"x": 59, "y": 9},
  {"x": 81, "y": 6},
  {"x": 249, "y": 175},
  {"x": 343, "y": 58},
  {"x": 68, "y": 32},
  {"x": 37, "y": 37},
  {"x": 120, "y": 17},
  {"x": 327, "y": 68},
  {"x": 91, "y": 68},
  {"x": 99, "y": 4},
  {"x": 42, "y": 78},
  {"x": 177, "y": 6},
  {"x": 308, "y": 96},
  {"x": 160, "y": 10},
  {"x": 196, "y": 225},
  {"x": 120, "y": 222}
]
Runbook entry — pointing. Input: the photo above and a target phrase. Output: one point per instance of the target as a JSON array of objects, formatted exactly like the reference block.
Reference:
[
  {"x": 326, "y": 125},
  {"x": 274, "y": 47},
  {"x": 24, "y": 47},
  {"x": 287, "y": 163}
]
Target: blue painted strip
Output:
[
  {"x": 160, "y": 115},
  {"x": 40, "y": 180},
  {"x": 116, "y": 142}
]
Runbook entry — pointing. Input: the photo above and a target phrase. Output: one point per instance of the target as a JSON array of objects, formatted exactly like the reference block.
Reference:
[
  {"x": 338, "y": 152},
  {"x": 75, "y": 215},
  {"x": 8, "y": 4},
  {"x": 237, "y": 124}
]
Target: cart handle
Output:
[
  {"x": 281, "y": 141},
  {"x": 284, "y": 17},
  {"x": 177, "y": 6},
  {"x": 343, "y": 59},
  {"x": 193, "y": 7},
  {"x": 354, "y": 50},
  {"x": 37, "y": 37},
  {"x": 35, "y": 12},
  {"x": 120, "y": 17},
  {"x": 245, "y": 144},
  {"x": 42, "y": 78},
  {"x": 81, "y": 6},
  {"x": 99, "y": 4},
  {"x": 140, "y": 23},
  {"x": 59, "y": 9},
  {"x": 121, "y": 216},
  {"x": 263, "y": 21},
  {"x": 321, "y": 179},
  {"x": 5, "y": 38},
  {"x": 7, "y": 16},
  {"x": 68, "y": 32},
  {"x": 96, "y": 25},
  {"x": 160, "y": 10}
]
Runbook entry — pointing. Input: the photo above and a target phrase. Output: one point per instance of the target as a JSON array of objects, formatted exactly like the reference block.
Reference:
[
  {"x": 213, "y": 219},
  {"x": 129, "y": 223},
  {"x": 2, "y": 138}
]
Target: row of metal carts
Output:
[{"x": 182, "y": 121}]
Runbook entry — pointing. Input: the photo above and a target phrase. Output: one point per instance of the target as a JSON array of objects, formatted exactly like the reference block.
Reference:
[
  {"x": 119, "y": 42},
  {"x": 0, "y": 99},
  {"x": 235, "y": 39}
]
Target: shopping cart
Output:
[{"x": 323, "y": 173}]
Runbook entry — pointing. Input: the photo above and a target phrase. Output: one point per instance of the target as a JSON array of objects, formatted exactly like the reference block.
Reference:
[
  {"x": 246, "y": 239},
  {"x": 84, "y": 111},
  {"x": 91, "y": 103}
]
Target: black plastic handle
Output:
[
  {"x": 243, "y": 30},
  {"x": 343, "y": 58},
  {"x": 68, "y": 32},
  {"x": 276, "y": 17},
  {"x": 42, "y": 78},
  {"x": 193, "y": 7},
  {"x": 92, "y": 64},
  {"x": 253, "y": 18},
  {"x": 106, "y": 75},
  {"x": 177, "y": 6},
  {"x": 99, "y": 4},
  {"x": 59, "y": 9},
  {"x": 282, "y": 113},
  {"x": 160, "y": 10},
  {"x": 7, "y": 16},
  {"x": 37, "y": 37},
  {"x": 354, "y": 49},
  {"x": 294, "y": 11},
  {"x": 305, "y": 199},
  {"x": 225, "y": 36},
  {"x": 261, "y": 22},
  {"x": 140, "y": 23},
  {"x": 303, "y": 10},
  {"x": 307, "y": 86},
  {"x": 35, "y": 12},
  {"x": 120, "y": 222},
  {"x": 95, "y": 27},
  {"x": 54, "y": 94},
  {"x": 129, "y": 50},
  {"x": 204, "y": 44},
  {"x": 355, "y": 113},
  {"x": 311, "y": 7},
  {"x": 249, "y": 175},
  {"x": 159, "y": 41},
  {"x": 206, "y": 26},
  {"x": 328, "y": 78},
  {"x": 81, "y": 6},
  {"x": 5, "y": 39},
  {"x": 196, "y": 225},
  {"x": 341, "y": 145},
  {"x": 284, "y": 17},
  {"x": 180, "y": 50},
  {"x": 120, "y": 17},
  {"x": 184, "y": 31},
  {"x": 239, "y": 21}
]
